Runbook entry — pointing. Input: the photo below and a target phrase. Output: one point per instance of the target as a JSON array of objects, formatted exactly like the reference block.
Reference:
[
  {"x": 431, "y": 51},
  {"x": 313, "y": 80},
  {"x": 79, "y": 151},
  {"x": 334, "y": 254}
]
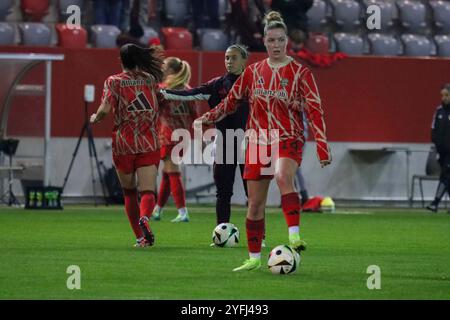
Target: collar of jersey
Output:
[{"x": 280, "y": 65}]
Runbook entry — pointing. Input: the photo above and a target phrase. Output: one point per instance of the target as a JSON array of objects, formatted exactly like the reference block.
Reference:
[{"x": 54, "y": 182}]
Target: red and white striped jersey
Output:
[
  {"x": 279, "y": 96},
  {"x": 176, "y": 115},
  {"x": 136, "y": 104}
]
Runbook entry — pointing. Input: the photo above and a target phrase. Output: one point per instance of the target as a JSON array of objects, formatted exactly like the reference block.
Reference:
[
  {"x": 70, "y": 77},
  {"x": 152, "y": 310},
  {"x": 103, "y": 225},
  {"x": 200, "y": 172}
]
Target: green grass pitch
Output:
[{"x": 411, "y": 247}]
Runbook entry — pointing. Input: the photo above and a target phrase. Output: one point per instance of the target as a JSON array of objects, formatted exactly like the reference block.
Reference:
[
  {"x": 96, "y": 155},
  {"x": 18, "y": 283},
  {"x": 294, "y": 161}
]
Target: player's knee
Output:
[
  {"x": 254, "y": 207},
  {"x": 284, "y": 180}
]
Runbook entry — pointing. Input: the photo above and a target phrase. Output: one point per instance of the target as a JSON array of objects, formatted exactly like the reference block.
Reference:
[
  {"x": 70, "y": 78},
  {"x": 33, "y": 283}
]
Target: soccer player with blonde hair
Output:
[{"x": 280, "y": 91}]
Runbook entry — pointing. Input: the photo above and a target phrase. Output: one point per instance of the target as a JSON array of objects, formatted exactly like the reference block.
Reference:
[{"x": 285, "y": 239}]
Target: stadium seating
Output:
[
  {"x": 223, "y": 7},
  {"x": 5, "y": 8},
  {"x": 317, "y": 43},
  {"x": 443, "y": 45},
  {"x": 383, "y": 45},
  {"x": 176, "y": 38},
  {"x": 441, "y": 15},
  {"x": 351, "y": 44},
  {"x": 149, "y": 33},
  {"x": 412, "y": 15},
  {"x": 416, "y": 45},
  {"x": 7, "y": 34},
  {"x": 213, "y": 40},
  {"x": 104, "y": 36},
  {"x": 177, "y": 11},
  {"x": 35, "y": 34},
  {"x": 73, "y": 37},
  {"x": 347, "y": 14},
  {"x": 35, "y": 10},
  {"x": 317, "y": 15}
]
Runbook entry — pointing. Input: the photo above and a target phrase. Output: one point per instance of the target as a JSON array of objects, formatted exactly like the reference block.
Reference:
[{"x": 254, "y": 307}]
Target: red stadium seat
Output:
[
  {"x": 35, "y": 10},
  {"x": 317, "y": 43},
  {"x": 71, "y": 37},
  {"x": 176, "y": 38}
]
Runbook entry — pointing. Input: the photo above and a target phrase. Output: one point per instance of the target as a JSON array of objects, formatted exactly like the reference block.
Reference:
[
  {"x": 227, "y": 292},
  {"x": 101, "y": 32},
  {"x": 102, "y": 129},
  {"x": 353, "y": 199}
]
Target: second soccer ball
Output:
[{"x": 225, "y": 235}]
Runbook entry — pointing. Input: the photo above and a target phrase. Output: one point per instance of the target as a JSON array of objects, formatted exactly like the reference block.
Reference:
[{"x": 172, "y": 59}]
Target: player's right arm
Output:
[
  {"x": 202, "y": 92},
  {"x": 110, "y": 99},
  {"x": 238, "y": 92}
]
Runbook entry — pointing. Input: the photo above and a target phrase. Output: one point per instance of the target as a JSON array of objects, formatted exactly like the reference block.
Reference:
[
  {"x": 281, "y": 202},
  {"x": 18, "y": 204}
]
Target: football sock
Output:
[
  {"x": 158, "y": 209},
  {"x": 294, "y": 229},
  {"x": 255, "y": 255},
  {"x": 147, "y": 203},
  {"x": 177, "y": 189},
  {"x": 290, "y": 204},
  {"x": 132, "y": 210},
  {"x": 255, "y": 233},
  {"x": 182, "y": 212},
  {"x": 164, "y": 191}
]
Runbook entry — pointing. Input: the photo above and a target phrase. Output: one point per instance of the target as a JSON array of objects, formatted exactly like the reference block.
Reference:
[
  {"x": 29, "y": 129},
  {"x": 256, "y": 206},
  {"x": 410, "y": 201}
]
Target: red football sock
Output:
[
  {"x": 290, "y": 203},
  {"x": 255, "y": 233},
  {"x": 132, "y": 210},
  {"x": 164, "y": 190},
  {"x": 147, "y": 203},
  {"x": 177, "y": 189}
]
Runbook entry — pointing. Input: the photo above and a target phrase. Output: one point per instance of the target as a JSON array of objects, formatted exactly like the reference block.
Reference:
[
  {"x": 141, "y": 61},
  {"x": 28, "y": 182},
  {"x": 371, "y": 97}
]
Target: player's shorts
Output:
[
  {"x": 166, "y": 151},
  {"x": 260, "y": 162},
  {"x": 128, "y": 163}
]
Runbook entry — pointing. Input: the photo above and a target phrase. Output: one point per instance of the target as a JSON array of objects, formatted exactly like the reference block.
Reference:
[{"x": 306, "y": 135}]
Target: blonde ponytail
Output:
[{"x": 182, "y": 74}]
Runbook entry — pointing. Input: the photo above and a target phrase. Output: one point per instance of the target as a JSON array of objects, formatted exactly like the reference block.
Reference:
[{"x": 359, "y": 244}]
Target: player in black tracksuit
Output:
[
  {"x": 214, "y": 91},
  {"x": 440, "y": 136}
]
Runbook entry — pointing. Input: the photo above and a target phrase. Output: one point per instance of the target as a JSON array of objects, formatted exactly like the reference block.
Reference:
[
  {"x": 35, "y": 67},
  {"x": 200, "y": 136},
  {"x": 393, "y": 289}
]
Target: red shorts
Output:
[
  {"x": 128, "y": 163},
  {"x": 260, "y": 159},
  {"x": 166, "y": 151}
]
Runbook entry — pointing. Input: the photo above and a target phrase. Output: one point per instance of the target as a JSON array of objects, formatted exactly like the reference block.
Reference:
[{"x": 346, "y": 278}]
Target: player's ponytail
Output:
[
  {"x": 145, "y": 59},
  {"x": 181, "y": 75},
  {"x": 274, "y": 20}
]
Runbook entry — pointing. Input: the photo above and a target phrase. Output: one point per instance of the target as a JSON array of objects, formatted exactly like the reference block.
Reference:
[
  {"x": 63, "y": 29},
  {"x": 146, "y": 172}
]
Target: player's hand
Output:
[
  {"x": 93, "y": 118},
  {"x": 199, "y": 122}
]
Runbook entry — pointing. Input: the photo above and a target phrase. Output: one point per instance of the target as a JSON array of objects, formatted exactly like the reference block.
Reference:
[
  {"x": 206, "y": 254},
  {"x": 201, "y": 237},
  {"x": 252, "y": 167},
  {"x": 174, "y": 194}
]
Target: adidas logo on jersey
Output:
[
  {"x": 139, "y": 104},
  {"x": 180, "y": 109}
]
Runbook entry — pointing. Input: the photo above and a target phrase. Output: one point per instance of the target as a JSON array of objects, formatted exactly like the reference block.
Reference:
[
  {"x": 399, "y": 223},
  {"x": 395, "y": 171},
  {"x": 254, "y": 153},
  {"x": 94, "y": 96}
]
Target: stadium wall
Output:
[{"x": 370, "y": 102}]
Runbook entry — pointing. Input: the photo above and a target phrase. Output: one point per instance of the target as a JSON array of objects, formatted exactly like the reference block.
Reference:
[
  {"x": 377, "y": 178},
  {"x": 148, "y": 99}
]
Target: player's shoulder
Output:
[
  {"x": 115, "y": 78},
  {"x": 297, "y": 66}
]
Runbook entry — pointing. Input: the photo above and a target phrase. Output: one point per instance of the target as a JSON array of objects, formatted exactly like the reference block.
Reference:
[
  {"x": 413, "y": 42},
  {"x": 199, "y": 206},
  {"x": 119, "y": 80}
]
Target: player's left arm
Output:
[
  {"x": 109, "y": 99},
  {"x": 312, "y": 107}
]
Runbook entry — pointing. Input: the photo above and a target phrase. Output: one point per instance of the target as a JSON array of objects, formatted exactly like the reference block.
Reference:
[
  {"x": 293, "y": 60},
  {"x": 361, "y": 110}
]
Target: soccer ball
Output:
[
  {"x": 225, "y": 235},
  {"x": 327, "y": 205},
  {"x": 283, "y": 260}
]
